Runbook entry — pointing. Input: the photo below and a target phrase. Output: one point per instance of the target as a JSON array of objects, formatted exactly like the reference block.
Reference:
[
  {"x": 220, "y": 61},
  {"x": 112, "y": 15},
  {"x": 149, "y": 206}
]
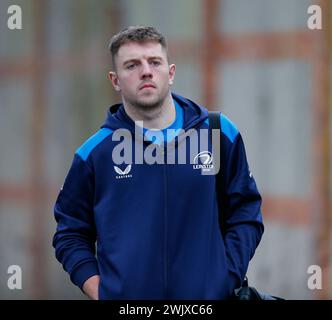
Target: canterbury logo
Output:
[{"x": 124, "y": 173}]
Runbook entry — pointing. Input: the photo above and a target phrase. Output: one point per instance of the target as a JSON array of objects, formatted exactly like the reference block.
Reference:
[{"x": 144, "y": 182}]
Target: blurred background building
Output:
[{"x": 256, "y": 60}]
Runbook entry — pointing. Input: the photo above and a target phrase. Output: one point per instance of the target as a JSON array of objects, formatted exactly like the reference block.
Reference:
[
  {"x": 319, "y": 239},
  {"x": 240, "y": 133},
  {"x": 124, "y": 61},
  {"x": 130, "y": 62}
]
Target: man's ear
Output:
[
  {"x": 114, "y": 79},
  {"x": 171, "y": 73}
]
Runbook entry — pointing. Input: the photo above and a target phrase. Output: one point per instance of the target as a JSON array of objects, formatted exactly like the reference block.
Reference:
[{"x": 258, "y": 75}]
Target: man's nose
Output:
[{"x": 146, "y": 70}]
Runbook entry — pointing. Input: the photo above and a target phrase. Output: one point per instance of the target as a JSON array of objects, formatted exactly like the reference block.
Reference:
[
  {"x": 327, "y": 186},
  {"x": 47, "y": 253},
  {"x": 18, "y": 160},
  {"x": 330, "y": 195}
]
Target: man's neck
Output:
[{"x": 159, "y": 117}]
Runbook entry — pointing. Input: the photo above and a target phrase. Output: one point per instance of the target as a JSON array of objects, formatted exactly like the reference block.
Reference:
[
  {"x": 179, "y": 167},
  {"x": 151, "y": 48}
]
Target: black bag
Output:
[
  {"x": 244, "y": 292},
  {"x": 250, "y": 293}
]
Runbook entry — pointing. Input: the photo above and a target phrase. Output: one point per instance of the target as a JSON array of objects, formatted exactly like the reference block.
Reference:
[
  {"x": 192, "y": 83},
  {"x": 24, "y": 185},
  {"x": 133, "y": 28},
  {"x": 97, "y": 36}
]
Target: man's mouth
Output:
[{"x": 147, "y": 85}]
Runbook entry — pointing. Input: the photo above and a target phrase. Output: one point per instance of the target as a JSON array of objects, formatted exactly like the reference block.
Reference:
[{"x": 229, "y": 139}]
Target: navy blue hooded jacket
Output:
[{"x": 151, "y": 230}]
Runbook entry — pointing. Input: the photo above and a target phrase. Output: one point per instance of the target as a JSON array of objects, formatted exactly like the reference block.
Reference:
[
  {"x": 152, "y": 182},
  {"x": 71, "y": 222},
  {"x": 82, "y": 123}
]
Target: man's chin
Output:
[{"x": 148, "y": 102}]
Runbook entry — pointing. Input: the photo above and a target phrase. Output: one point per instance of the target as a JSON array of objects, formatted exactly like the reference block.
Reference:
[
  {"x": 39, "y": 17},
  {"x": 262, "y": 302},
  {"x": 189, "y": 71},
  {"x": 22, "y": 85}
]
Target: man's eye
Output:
[
  {"x": 130, "y": 66},
  {"x": 155, "y": 63}
]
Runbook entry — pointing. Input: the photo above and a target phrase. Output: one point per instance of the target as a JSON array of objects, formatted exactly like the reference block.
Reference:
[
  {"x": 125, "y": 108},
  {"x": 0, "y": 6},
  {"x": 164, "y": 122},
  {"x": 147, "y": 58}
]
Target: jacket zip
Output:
[{"x": 165, "y": 229}]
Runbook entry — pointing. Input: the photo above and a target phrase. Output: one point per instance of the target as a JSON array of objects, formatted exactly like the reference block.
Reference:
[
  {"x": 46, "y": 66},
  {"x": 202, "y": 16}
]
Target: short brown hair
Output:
[{"x": 135, "y": 34}]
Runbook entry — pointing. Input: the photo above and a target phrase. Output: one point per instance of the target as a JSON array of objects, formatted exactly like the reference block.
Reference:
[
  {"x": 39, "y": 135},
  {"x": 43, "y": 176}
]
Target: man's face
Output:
[{"x": 142, "y": 74}]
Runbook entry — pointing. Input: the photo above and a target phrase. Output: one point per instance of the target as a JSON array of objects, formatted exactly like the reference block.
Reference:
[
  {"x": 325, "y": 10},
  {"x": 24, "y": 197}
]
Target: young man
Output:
[{"x": 155, "y": 223}]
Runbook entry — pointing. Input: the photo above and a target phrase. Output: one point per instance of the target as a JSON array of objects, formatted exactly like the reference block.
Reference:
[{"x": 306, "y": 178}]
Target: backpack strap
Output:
[
  {"x": 244, "y": 292},
  {"x": 215, "y": 123}
]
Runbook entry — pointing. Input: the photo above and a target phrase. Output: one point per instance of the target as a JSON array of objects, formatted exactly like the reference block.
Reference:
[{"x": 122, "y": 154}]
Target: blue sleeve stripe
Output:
[
  {"x": 228, "y": 128},
  {"x": 86, "y": 148}
]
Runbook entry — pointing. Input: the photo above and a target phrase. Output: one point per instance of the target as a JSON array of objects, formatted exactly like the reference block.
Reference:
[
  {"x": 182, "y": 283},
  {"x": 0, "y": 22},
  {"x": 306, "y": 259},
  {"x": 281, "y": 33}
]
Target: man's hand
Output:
[{"x": 90, "y": 287}]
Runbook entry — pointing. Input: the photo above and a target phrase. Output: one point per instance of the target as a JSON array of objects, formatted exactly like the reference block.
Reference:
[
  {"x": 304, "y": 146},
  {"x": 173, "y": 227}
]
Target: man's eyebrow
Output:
[
  {"x": 137, "y": 60},
  {"x": 155, "y": 58},
  {"x": 130, "y": 60}
]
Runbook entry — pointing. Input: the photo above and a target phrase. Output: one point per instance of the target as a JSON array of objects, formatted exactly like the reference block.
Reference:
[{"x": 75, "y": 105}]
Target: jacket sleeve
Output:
[
  {"x": 75, "y": 236},
  {"x": 244, "y": 225}
]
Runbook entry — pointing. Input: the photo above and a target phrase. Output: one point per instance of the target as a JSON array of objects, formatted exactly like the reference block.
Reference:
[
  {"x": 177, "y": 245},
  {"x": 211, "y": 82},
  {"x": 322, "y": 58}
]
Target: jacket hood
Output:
[{"x": 193, "y": 115}]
